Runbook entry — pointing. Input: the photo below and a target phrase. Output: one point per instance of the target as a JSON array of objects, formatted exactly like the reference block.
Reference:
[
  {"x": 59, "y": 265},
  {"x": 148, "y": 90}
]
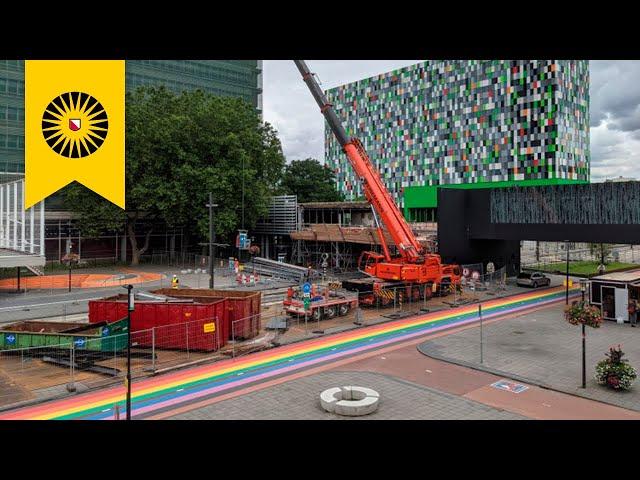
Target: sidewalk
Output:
[{"x": 541, "y": 348}]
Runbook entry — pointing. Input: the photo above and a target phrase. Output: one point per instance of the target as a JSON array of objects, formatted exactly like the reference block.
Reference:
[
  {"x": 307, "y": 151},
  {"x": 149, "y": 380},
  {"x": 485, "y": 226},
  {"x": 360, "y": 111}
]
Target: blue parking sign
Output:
[{"x": 306, "y": 288}]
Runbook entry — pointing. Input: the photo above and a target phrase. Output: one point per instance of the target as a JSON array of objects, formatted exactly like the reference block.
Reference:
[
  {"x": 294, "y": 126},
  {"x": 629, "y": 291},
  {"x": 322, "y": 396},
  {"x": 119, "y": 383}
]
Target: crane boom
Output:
[{"x": 376, "y": 193}]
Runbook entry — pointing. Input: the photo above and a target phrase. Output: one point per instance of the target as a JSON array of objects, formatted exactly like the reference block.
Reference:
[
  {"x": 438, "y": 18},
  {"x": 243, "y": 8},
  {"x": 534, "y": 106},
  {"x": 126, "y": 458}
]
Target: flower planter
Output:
[{"x": 614, "y": 372}]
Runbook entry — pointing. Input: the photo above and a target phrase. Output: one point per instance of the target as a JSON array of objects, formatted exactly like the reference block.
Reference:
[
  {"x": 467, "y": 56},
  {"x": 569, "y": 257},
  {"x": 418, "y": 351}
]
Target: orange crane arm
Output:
[{"x": 375, "y": 191}]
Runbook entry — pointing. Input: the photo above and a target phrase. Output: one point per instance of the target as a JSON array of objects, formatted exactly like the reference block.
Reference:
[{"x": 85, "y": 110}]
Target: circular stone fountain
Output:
[{"x": 350, "y": 401}]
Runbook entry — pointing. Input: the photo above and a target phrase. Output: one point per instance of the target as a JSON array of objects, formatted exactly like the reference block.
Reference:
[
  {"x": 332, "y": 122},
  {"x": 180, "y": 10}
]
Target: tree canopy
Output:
[
  {"x": 178, "y": 149},
  {"x": 310, "y": 181}
]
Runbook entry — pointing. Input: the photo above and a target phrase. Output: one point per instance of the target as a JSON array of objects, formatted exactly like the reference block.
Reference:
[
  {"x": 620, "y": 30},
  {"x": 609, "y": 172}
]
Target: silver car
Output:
[{"x": 535, "y": 280}]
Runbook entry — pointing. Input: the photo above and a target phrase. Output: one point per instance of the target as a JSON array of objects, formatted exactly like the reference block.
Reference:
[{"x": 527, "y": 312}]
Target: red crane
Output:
[{"x": 412, "y": 264}]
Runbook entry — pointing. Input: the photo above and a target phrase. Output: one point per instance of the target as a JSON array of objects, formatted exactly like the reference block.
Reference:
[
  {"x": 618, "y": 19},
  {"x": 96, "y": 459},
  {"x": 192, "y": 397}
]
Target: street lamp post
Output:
[
  {"x": 69, "y": 255},
  {"x": 566, "y": 247},
  {"x": 212, "y": 242},
  {"x": 130, "y": 307},
  {"x": 583, "y": 288}
]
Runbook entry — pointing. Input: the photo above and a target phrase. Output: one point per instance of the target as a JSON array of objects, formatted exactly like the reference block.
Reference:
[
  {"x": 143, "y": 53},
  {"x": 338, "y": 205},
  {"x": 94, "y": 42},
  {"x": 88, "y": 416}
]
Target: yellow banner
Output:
[{"x": 74, "y": 127}]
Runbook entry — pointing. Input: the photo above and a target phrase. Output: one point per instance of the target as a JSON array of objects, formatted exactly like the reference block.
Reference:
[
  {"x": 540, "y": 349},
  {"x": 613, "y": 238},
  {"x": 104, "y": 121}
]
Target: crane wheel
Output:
[
  {"x": 428, "y": 291},
  {"x": 445, "y": 287},
  {"x": 415, "y": 293},
  {"x": 329, "y": 312},
  {"x": 343, "y": 310},
  {"x": 317, "y": 314}
]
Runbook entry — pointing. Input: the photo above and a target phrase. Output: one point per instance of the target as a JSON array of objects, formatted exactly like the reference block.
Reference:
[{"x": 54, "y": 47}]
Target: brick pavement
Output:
[
  {"x": 299, "y": 400},
  {"x": 544, "y": 349}
]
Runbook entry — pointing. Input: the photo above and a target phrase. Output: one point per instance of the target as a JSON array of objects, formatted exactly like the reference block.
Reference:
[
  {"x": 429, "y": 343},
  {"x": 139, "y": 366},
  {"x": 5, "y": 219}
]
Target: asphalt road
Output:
[{"x": 58, "y": 306}]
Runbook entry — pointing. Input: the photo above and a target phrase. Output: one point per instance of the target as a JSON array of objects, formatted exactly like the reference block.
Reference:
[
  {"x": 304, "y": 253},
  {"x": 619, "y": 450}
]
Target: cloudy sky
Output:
[{"x": 615, "y": 109}]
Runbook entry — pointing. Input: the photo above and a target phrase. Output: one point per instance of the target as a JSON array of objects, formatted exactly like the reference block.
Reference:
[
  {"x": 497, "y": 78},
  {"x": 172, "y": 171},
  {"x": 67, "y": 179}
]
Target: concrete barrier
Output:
[{"x": 351, "y": 401}]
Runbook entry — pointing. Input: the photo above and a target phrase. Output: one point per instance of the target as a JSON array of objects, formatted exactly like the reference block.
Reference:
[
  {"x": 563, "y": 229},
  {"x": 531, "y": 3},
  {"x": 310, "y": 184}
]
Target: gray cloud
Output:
[
  {"x": 614, "y": 109},
  {"x": 289, "y": 107}
]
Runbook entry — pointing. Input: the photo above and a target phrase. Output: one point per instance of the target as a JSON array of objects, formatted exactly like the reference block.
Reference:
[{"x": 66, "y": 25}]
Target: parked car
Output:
[{"x": 535, "y": 279}]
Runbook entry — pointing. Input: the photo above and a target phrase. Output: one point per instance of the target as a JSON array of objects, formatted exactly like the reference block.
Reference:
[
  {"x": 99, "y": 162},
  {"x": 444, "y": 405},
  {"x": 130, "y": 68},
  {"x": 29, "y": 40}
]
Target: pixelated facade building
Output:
[{"x": 466, "y": 124}]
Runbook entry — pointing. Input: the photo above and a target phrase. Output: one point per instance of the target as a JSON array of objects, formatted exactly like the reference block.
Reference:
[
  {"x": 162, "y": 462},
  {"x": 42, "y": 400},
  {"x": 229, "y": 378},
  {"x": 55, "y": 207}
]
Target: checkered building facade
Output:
[{"x": 464, "y": 122}]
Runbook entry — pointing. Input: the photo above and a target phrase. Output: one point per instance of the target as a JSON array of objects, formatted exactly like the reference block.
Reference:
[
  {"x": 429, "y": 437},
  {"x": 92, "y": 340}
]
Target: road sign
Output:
[
  {"x": 509, "y": 386},
  {"x": 307, "y": 303},
  {"x": 243, "y": 242},
  {"x": 306, "y": 288},
  {"x": 209, "y": 327}
]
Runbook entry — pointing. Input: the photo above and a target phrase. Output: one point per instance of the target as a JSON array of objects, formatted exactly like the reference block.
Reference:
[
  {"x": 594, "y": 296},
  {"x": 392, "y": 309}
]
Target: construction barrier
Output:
[{"x": 383, "y": 293}]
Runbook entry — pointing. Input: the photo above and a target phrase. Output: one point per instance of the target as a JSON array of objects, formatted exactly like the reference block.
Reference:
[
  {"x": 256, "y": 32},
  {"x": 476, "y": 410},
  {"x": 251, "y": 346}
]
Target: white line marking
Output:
[
  {"x": 180, "y": 390},
  {"x": 106, "y": 410},
  {"x": 428, "y": 371},
  {"x": 383, "y": 358},
  {"x": 20, "y": 307}
]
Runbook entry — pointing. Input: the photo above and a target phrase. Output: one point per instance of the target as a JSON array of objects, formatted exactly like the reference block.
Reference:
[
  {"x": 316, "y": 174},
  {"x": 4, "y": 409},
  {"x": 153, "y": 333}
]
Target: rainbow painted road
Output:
[{"x": 182, "y": 387}]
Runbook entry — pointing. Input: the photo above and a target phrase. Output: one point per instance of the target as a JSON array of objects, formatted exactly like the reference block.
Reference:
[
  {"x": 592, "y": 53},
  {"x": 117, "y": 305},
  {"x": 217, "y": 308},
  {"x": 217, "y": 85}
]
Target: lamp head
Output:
[{"x": 583, "y": 285}]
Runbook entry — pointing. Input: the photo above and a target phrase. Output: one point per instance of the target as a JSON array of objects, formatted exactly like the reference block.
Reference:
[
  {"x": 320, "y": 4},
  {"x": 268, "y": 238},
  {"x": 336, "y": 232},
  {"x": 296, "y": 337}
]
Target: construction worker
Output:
[{"x": 174, "y": 281}]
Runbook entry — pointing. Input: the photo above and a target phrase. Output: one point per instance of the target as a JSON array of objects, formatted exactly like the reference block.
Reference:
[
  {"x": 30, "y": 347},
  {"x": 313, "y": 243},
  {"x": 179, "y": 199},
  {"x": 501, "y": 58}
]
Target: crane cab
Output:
[{"x": 368, "y": 262}]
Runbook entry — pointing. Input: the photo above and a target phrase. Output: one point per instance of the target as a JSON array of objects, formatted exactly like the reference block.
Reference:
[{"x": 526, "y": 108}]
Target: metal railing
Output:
[{"x": 548, "y": 260}]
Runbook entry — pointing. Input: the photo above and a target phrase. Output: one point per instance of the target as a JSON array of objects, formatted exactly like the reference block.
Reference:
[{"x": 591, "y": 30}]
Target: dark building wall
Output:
[
  {"x": 466, "y": 232},
  {"x": 458, "y": 216},
  {"x": 591, "y": 204}
]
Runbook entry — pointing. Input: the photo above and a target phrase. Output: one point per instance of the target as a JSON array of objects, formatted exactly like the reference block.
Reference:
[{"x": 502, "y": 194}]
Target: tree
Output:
[
  {"x": 310, "y": 181},
  {"x": 178, "y": 148},
  {"x": 600, "y": 252}
]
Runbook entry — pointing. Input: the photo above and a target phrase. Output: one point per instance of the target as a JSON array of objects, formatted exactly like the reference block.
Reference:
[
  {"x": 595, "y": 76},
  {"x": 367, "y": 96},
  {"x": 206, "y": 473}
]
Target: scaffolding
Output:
[
  {"x": 325, "y": 235},
  {"x": 340, "y": 257}
]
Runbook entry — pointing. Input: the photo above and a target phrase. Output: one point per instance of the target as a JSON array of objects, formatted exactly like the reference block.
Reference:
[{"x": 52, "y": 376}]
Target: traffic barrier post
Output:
[{"x": 153, "y": 349}]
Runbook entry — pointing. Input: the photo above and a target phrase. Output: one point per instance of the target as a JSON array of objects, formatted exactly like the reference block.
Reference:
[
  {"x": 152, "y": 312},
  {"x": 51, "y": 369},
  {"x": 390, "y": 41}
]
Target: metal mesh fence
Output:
[
  {"x": 552, "y": 257},
  {"x": 39, "y": 372}
]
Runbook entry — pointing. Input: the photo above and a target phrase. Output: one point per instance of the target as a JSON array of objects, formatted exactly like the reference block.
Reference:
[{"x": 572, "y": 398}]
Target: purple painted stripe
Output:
[{"x": 328, "y": 357}]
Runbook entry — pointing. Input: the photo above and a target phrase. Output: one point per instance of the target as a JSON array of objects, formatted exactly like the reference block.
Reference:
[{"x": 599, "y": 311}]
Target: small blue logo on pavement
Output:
[{"x": 509, "y": 386}]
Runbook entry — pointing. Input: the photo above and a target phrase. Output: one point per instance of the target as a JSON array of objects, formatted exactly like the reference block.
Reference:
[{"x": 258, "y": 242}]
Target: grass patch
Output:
[{"x": 582, "y": 267}]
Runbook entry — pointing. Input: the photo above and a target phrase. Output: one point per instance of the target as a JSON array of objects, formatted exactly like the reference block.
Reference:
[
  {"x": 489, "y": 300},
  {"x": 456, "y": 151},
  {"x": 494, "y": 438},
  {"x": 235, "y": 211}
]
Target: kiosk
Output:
[{"x": 613, "y": 291}]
